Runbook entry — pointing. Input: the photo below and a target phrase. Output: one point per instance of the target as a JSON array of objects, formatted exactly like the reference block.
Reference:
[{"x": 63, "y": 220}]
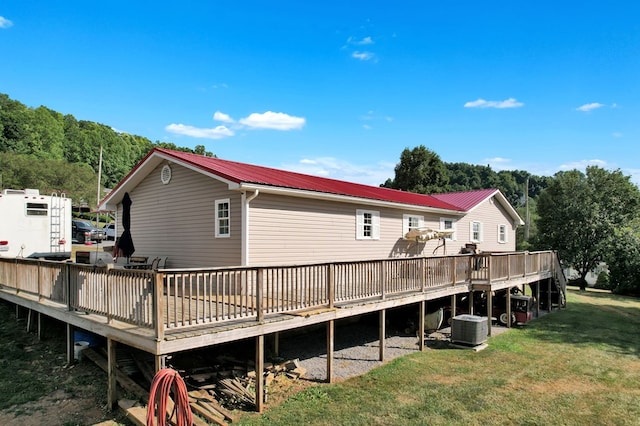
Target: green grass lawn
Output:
[{"x": 579, "y": 366}]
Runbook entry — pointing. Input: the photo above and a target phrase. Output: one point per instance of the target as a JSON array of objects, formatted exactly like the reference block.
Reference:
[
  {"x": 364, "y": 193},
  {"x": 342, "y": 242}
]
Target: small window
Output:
[
  {"x": 223, "y": 218},
  {"x": 410, "y": 222},
  {"x": 367, "y": 225},
  {"x": 448, "y": 225},
  {"x": 476, "y": 232},
  {"x": 502, "y": 234},
  {"x": 37, "y": 209}
]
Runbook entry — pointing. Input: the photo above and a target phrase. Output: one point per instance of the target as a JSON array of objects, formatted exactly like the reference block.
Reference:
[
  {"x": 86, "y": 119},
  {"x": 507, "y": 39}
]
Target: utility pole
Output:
[{"x": 526, "y": 203}]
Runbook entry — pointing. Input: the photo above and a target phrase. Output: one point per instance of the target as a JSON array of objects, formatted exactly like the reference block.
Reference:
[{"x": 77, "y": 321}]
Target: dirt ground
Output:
[
  {"x": 80, "y": 397},
  {"x": 58, "y": 408}
]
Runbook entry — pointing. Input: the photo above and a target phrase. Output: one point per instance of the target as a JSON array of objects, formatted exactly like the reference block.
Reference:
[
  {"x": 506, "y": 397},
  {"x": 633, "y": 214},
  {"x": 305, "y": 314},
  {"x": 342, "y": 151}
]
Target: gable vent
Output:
[{"x": 165, "y": 174}]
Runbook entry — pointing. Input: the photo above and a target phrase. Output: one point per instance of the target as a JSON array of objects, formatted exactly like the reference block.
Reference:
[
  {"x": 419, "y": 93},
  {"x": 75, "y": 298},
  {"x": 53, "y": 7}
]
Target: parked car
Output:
[
  {"x": 110, "y": 231},
  {"x": 83, "y": 231}
]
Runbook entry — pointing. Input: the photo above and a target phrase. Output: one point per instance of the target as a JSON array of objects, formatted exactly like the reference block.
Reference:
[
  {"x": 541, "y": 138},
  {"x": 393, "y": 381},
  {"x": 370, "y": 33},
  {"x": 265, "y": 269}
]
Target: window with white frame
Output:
[
  {"x": 447, "y": 224},
  {"x": 502, "y": 234},
  {"x": 411, "y": 222},
  {"x": 223, "y": 218},
  {"x": 367, "y": 225},
  {"x": 475, "y": 231}
]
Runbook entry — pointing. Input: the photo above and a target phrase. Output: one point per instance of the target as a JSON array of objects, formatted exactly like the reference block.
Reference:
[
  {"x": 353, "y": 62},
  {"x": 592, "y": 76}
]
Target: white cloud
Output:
[
  {"x": 371, "y": 115},
  {"x": 221, "y": 116},
  {"x": 362, "y": 42},
  {"x": 363, "y": 56},
  {"x": 634, "y": 174},
  {"x": 582, "y": 165},
  {"x": 273, "y": 120},
  {"x": 616, "y": 134},
  {"x": 481, "y": 103},
  {"x": 590, "y": 107},
  {"x": 366, "y": 127},
  {"x": 334, "y": 168},
  {"x": 498, "y": 163},
  {"x": 218, "y": 132},
  {"x": 5, "y": 23}
]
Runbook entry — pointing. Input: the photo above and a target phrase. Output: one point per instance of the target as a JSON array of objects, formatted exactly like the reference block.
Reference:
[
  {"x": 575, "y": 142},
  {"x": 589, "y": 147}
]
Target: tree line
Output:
[
  {"x": 42, "y": 148},
  {"x": 590, "y": 218}
]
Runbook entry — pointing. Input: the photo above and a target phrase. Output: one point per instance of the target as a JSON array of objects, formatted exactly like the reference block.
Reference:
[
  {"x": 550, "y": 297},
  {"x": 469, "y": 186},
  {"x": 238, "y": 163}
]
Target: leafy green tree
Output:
[
  {"x": 623, "y": 261},
  {"x": 14, "y": 123},
  {"x": 420, "y": 170},
  {"x": 47, "y": 136},
  {"x": 579, "y": 215}
]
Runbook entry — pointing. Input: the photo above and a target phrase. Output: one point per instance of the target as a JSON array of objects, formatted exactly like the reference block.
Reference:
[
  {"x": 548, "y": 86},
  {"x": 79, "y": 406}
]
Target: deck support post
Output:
[
  {"x": 548, "y": 294},
  {"x": 30, "y": 313},
  {"x": 538, "y": 299},
  {"x": 471, "y": 302},
  {"x": 454, "y": 308},
  {"x": 276, "y": 343},
  {"x": 160, "y": 362},
  {"x": 39, "y": 326},
  {"x": 260, "y": 373},
  {"x": 489, "y": 312},
  {"x": 421, "y": 312},
  {"x": 382, "y": 333},
  {"x": 112, "y": 388},
  {"x": 70, "y": 343},
  {"x": 509, "y": 325},
  {"x": 330, "y": 336}
]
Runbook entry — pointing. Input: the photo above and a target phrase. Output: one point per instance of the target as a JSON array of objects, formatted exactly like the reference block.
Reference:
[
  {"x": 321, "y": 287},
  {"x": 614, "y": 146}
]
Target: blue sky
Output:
[{"x": 339, "y": 89}]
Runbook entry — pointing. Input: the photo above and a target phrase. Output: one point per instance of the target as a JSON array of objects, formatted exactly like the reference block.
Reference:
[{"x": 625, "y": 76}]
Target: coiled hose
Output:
[{"x": 165, "y": 382}]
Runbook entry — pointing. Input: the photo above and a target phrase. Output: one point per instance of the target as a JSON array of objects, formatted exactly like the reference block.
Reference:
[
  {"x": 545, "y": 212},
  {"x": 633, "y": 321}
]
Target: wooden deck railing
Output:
[{"x": 169, "y": 299}]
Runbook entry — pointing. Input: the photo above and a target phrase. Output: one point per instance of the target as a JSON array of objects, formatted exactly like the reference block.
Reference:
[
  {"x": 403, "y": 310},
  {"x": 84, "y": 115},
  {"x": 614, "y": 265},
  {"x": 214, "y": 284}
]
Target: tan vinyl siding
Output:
[
  {"x": 177, "y": 220},
  {"x": 288, "y": 229},
  {"x": 491, "y": 214}
]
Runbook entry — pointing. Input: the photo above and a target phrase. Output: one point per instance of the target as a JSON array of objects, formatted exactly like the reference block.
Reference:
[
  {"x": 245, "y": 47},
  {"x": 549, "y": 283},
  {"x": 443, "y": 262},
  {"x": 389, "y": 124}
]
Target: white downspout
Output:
[{"x": 245, "y": 225}]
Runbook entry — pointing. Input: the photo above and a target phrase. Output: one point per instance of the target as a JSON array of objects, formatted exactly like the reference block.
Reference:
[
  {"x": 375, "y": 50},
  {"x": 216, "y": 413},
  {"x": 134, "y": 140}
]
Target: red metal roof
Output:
[
  {"x": 252, "y": 174},
  {"x": 466, "y": 200}
]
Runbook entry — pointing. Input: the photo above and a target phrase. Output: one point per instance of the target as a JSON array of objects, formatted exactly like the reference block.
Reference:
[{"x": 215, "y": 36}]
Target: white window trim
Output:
[
  {"x": 479, "y": 239},
  {"x": 218, "y": 233},
  {"x": 375, "y": 225},
  {"x": 453, "y": 236},
  {"x": 506, "y": 234},
  {"x": 405, "y": 222}
]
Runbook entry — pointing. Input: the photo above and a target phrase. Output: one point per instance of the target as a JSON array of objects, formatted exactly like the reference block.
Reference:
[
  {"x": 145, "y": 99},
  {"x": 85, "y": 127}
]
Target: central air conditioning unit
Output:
[{"x": 469, "y": 329}]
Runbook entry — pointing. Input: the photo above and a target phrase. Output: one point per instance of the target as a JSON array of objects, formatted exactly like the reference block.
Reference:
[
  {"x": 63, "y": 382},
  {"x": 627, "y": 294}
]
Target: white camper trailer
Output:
[{"x": 35, "y": 225}]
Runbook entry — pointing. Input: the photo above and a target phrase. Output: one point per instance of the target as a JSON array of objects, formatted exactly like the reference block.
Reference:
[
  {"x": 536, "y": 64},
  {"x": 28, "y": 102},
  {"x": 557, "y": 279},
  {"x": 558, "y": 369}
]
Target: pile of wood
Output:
[
  {"x": 234, "y": 384},
  {"x": 214, "y": 391}
]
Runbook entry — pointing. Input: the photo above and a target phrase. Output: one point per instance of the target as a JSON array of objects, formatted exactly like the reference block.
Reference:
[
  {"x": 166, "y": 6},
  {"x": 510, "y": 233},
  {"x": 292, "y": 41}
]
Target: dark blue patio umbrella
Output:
[{"x": 125, "y": 245}]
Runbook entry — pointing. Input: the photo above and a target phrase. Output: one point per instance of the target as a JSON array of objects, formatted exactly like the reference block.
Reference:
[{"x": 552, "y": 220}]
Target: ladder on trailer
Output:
[{"x": 56, "y": 233}]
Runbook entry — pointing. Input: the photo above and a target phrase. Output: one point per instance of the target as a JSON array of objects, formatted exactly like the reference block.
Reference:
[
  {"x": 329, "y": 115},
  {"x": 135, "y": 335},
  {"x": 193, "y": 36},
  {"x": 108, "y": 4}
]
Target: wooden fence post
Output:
[
  {"x": 259, "y": 295},
  {"x": 383, "y": 279},
  {"x": 158, "y": 305},
  {"x": 331, "y": 290},
  {"x": 40, "y": 297}
]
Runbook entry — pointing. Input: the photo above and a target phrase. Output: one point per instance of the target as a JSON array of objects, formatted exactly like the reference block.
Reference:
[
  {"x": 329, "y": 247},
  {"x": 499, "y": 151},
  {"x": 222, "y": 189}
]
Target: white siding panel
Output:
[
  {"x": 297, "y": 230},
  {"x": 177, "y": 220},
  {"x": 490, "y": 214}
]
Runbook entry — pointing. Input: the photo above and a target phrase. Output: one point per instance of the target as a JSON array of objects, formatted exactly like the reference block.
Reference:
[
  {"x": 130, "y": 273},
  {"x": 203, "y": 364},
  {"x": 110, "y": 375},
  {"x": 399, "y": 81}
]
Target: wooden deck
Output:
[{"x": 169, "y": 310}]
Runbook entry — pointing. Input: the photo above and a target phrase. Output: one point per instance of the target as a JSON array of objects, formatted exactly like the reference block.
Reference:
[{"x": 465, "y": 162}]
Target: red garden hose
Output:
[{"x": 168, "y": 381}]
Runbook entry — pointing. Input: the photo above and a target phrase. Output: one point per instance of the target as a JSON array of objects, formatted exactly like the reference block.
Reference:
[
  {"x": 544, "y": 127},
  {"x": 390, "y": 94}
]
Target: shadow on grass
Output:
[{"x": 594, "y": 318}]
